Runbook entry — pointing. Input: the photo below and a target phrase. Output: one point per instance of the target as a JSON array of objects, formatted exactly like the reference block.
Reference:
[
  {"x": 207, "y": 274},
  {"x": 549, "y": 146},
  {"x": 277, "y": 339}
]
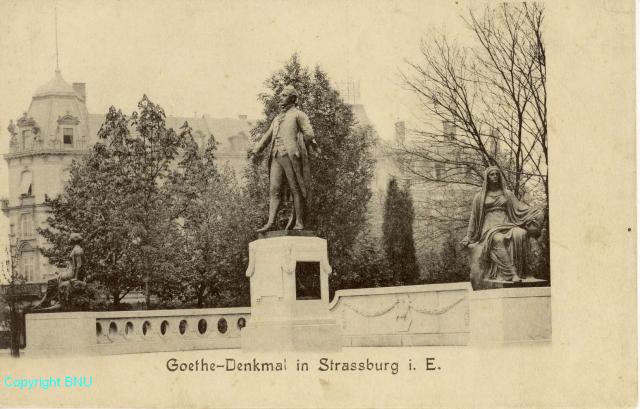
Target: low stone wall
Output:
[
  {"x": 122, "y": 332},
  {"x": 433, "y": 314}
]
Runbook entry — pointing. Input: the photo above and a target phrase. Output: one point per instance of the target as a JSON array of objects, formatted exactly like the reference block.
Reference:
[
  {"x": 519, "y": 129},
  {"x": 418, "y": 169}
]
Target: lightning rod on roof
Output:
[{"x": 55, "y": 13}]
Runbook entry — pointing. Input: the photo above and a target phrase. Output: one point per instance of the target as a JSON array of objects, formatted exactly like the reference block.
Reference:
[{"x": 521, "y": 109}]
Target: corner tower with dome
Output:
[
  {"x": 44, "y": 140},
  {"x": 56, "y": 129}
]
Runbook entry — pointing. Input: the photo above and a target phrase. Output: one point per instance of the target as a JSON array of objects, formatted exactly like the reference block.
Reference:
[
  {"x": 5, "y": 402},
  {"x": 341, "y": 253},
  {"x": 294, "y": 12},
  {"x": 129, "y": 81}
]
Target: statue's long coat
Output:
[{"x": 294, "y": 127}]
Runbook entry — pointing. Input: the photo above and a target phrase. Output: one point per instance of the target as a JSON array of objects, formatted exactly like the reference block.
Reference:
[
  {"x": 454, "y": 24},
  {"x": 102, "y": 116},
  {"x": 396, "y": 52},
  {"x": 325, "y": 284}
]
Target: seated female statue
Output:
[{"x": 498, "y": 229}]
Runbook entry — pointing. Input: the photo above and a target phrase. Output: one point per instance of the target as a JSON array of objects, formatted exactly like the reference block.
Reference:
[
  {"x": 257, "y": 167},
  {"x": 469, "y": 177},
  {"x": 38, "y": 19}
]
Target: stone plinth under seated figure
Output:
[
  {"x": 289, "y": 279},
  {"x": 510, "y": 315},
  {"x": 525, "y": 282}
]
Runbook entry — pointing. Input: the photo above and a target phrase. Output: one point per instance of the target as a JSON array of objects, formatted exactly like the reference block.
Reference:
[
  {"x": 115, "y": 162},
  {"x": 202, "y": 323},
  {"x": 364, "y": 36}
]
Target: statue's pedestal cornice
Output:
[{"x": 286, "y": 233}]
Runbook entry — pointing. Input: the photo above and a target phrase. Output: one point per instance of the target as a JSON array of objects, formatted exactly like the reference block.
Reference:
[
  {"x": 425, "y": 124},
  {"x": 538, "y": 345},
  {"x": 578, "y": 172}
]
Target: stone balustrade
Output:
[
  {"x": 118, "y": 332},
  {"x": 49, "y": 147}
]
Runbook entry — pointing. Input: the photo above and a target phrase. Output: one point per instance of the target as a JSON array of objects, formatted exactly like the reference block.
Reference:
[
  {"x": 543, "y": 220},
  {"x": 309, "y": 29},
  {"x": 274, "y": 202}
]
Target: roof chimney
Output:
[
  {"x": 495, "y": 141},
  {"x": 400, "y": 132},
  {"x": 449, "y": 129},
  {"x": 81, "y": 90}
]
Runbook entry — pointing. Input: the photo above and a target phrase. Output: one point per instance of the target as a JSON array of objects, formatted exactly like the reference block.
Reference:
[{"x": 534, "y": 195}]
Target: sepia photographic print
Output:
[{"x": 317, "y": 204}]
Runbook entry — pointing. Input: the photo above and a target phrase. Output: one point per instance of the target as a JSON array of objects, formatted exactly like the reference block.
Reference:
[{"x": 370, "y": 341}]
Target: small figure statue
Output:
[
  {"x": 77, "y": 257},
  {"x": 13, "y": 141},
  {"x": 498, "y": 230},
  {"x": 37, "y": 137},
  {"x": 290, "y": 138},
  {"x": 12, "y": 128},
  {"x": 61, "y": 285}
]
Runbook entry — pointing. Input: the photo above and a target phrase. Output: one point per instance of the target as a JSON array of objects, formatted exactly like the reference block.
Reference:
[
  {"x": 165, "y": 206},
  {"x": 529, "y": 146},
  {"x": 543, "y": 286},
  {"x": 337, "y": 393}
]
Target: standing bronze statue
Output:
[{"x": 290, "y": 138}]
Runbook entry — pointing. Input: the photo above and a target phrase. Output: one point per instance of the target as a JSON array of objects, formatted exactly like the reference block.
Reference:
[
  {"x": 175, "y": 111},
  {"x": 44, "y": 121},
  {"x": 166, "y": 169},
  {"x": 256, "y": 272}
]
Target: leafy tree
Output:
[
  {"x": 340, "y": 179},
  {"x": 397, "y": 234},
  {"x": 91, "y": 206},
  {"x": 117, "y": 199},
  {"x": 538, "y": 258},
  {"x": 213, "y": 234},
  {"x": 447, "y": 265},
  {"x": 368, "y": 266}
]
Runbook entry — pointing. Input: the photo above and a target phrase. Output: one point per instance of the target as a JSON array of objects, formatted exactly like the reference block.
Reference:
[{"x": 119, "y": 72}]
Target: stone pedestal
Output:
[
  {"x": 61, "y": 333},
  {"x": 510, "y": 315},
  {"x": 289, "y": 278},
  {"x": 526, "y": 282}
]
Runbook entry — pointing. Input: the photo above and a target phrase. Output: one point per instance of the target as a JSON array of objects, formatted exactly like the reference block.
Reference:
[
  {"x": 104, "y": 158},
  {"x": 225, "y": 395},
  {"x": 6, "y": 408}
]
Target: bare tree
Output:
[
  {"x": 513, "y": 67},
  {"x": 484, "y": 105}
]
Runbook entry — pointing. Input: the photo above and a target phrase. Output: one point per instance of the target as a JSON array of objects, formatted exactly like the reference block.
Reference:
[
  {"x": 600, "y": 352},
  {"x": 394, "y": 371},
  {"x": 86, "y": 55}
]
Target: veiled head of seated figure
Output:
[{"x": 493, "y": 176}]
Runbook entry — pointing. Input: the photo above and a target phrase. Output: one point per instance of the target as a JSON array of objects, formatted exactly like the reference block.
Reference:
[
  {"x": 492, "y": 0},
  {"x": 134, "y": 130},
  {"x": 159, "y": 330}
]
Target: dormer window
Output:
[
  {"x": 67, "y": 136},
  {"x": 26, "y": 138}
]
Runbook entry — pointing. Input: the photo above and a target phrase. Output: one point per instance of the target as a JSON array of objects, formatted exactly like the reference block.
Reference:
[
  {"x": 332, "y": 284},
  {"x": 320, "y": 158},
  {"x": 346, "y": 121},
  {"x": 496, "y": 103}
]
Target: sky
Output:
[{"x": 197, "y": 57}]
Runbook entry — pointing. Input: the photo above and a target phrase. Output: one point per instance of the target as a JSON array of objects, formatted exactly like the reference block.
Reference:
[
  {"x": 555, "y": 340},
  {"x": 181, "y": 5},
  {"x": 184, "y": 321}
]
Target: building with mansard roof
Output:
[{"x": 57, "y": 128}]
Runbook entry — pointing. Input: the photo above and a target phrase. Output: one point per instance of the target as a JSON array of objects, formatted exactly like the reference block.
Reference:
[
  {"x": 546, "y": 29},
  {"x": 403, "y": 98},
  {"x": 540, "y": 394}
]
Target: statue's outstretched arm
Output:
[{"x": 264, "y": 140}]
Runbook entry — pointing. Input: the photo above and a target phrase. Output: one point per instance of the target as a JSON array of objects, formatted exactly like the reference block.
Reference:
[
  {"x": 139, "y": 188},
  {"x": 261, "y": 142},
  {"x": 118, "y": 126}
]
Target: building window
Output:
[
  {"x": 26, "y": 139},
  {"x": 28, "y": 265},
  {"x": 67, "y": 136},
  {"x": 26, "y": 183},
  {"x": 439, "y": 170},
  {"x": 239, "y": 142},
  {"x": 495, "y": 141},
  {"x": 495, "y": 147},
  {"x": 26, "y": 225}
]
